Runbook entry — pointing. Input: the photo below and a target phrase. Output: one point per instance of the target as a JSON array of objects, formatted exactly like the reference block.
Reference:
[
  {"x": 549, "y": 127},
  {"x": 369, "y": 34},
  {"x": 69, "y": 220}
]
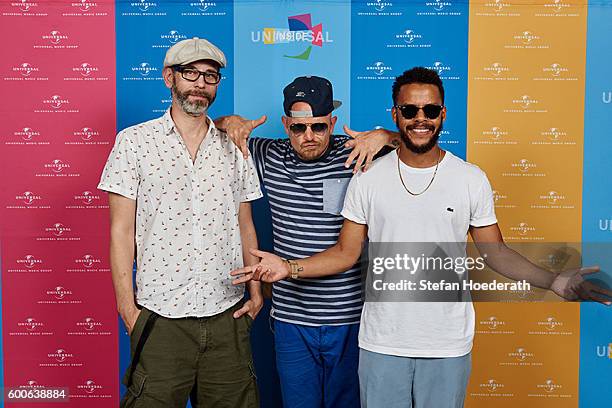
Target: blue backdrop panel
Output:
[
  {"x": 274, "y": 43},
  {"x": 269, "y": 55},
  {"x": 143, "y": 37},
  {"x": 391, "y": 37},
  {"x": 145, "y": 30},
  {"x": 596, "y": 320}
]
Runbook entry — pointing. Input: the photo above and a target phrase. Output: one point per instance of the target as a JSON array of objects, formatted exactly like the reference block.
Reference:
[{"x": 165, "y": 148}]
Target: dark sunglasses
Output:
[
  {"x": 410, "y": 111},
  {"x": 299, "y": 128}
]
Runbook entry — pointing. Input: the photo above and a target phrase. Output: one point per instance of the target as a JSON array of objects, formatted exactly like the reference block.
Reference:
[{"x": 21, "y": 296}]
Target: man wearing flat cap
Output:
[{"x": 180, "y": 195}]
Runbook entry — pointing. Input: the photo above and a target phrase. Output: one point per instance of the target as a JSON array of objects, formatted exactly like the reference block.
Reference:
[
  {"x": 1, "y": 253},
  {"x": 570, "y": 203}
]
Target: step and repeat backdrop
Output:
[{"x": 529, "y": 98}]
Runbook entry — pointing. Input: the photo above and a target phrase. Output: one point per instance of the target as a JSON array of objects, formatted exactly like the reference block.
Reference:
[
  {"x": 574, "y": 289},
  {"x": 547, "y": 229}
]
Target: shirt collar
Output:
[
  {"x": 167, "y": 122},
  {"x": 170, "y": 127}
]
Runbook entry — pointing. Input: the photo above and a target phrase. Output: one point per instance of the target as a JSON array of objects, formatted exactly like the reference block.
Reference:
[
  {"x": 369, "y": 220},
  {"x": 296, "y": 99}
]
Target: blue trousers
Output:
[
  {"x": 317, "y": 366},
  {"x": 404, "y": 382}
]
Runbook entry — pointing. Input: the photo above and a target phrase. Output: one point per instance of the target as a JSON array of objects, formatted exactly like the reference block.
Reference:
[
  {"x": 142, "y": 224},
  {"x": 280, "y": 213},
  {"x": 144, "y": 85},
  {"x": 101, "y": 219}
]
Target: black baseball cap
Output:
[{"x": 315, "y": 91}]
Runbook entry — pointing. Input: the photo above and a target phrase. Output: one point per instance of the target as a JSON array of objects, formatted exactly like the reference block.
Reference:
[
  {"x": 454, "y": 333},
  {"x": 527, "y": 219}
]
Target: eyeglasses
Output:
[
  {"x": 191, "y": 74},
  {"x": 410, "y": 111},
  {"x": 300, "y": 128}
]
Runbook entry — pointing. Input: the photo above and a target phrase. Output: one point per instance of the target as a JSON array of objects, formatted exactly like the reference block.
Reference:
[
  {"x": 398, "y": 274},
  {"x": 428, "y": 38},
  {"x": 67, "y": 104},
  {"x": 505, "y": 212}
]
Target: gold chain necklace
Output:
[{"x": 399, "y": 170}]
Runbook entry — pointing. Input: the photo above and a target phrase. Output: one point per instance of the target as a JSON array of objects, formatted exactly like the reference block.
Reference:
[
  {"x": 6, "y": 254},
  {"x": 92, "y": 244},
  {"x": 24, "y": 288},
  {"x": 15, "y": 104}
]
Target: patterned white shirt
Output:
[{"x": 187, "y": 232}]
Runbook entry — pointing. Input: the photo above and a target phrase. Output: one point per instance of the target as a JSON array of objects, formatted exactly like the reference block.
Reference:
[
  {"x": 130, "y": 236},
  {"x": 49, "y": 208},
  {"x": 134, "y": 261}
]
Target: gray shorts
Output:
[{"x": 404, "y": 382}]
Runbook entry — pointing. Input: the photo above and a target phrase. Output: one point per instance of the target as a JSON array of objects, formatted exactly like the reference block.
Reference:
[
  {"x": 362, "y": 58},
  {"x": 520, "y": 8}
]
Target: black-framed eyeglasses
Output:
[
  {"x": 300, "y": 128},
  {"x": 410, "y": 111},
  {"x": 191, "y": 74}
]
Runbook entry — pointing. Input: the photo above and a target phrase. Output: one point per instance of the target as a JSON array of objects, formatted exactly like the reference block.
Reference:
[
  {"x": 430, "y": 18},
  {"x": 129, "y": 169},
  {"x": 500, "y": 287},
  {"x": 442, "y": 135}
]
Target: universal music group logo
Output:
[
  {"x": 550, "y": 326},
  {"x": 26, "y": 8},
  {"x": 56, "y": 39},
  {"x": 84, "y": 8},
  {"x": 28, "y": 200},
  {"x": 25, "y": 71},
  {"x": 56, "y": 104},
  {"x": 169, "y": 38},
  {"x": 525, "y": 104},
  {"x": 30, "y": 326},
  {"x": 89, "y": 326},
  {"x": 526, "y": 39},
  {"x": 143, "y": 71},
  {"x": 27, "y": 136},
  {"x": 203, "y": 8},
  {"x": 29, "y": 261},
  {"x": 85, "y": 71},
  {"x": 61, "y": 358},
  {"x": 87, "y": 200},
  {"x": 439, "y": 8},
  {"x": 173, "y": 36},
  {"x": 494, "y": 325},
  {"x": 88, "y": 263},
  {"x": 377, "y": 71},
  {"x": 85, "y": 5},
  {"x": 557, "y": 8},
  {"x": 57, "y": 166},
  {"x": 142, "y": 8},
  {"x": 378, "y": 8},
  {"x": 443, "y": 70},
  {"x": 496, "y": 71},
  {"x": 86, "y": 136},
  {"x": 29, "y": 264},
  {"x": 91, "y": 389},
  {"x": 492, "y": 388},
  {"x": 408, "y": 38},
  {"x": 87, "y": 197},
  {"x": 59, "y": 295},
  {"x": 497, "y": 8},
  {"x": 57, "y": 232}
]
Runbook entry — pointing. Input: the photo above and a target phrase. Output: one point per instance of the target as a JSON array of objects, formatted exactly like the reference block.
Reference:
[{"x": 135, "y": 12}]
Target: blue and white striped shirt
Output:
[{"x": 306, "y": 198}]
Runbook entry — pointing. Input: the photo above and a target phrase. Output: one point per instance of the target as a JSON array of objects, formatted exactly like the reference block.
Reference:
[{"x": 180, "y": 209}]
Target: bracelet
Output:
[{"x": 294, "y": 269}]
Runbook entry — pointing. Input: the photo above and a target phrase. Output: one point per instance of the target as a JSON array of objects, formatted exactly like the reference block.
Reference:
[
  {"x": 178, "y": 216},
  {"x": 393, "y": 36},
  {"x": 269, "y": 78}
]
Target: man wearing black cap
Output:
[{"x": 316, "y": 321}]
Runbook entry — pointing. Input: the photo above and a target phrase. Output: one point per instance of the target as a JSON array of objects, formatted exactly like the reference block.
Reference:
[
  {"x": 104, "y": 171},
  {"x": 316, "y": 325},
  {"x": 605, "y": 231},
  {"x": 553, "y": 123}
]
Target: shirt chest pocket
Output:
[{"x": 334, "y": 191}]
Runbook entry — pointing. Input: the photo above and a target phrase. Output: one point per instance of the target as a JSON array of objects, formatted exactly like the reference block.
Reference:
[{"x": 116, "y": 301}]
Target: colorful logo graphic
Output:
[
  {"x": 605, "y": 351},
  {"x": 300, "y": 30}
]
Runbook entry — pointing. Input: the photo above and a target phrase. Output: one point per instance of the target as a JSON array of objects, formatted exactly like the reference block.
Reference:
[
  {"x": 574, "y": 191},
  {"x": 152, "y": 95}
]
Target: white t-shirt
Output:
[{"x": 378, "y": 199}]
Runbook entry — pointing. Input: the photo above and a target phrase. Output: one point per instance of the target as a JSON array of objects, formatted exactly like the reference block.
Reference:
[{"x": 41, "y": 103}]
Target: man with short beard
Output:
[
  {"x": 180, "y": 195},
  {"x": 415, "y": 353}
]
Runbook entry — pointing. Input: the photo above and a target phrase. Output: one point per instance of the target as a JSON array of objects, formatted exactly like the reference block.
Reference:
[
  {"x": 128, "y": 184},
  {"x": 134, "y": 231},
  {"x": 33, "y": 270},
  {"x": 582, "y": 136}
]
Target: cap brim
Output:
[
  {"x": 220, "y": 63},
  {"x": 337, "y": 104}
]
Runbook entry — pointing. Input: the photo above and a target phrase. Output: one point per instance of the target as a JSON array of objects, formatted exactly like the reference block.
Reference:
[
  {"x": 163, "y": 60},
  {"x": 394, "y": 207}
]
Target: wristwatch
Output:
[{"x": 294, "y": 269}]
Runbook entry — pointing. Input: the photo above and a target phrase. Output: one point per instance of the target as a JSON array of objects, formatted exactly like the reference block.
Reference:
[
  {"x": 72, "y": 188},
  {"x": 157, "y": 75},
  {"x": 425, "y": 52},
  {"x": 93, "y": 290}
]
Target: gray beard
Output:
[{"x": 197, "y": 108}]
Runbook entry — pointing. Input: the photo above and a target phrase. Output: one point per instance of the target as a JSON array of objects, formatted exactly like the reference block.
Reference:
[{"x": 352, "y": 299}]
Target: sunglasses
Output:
[
  {"x": 410, "y": 111},
  {"x": 300, "y": 128}
]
